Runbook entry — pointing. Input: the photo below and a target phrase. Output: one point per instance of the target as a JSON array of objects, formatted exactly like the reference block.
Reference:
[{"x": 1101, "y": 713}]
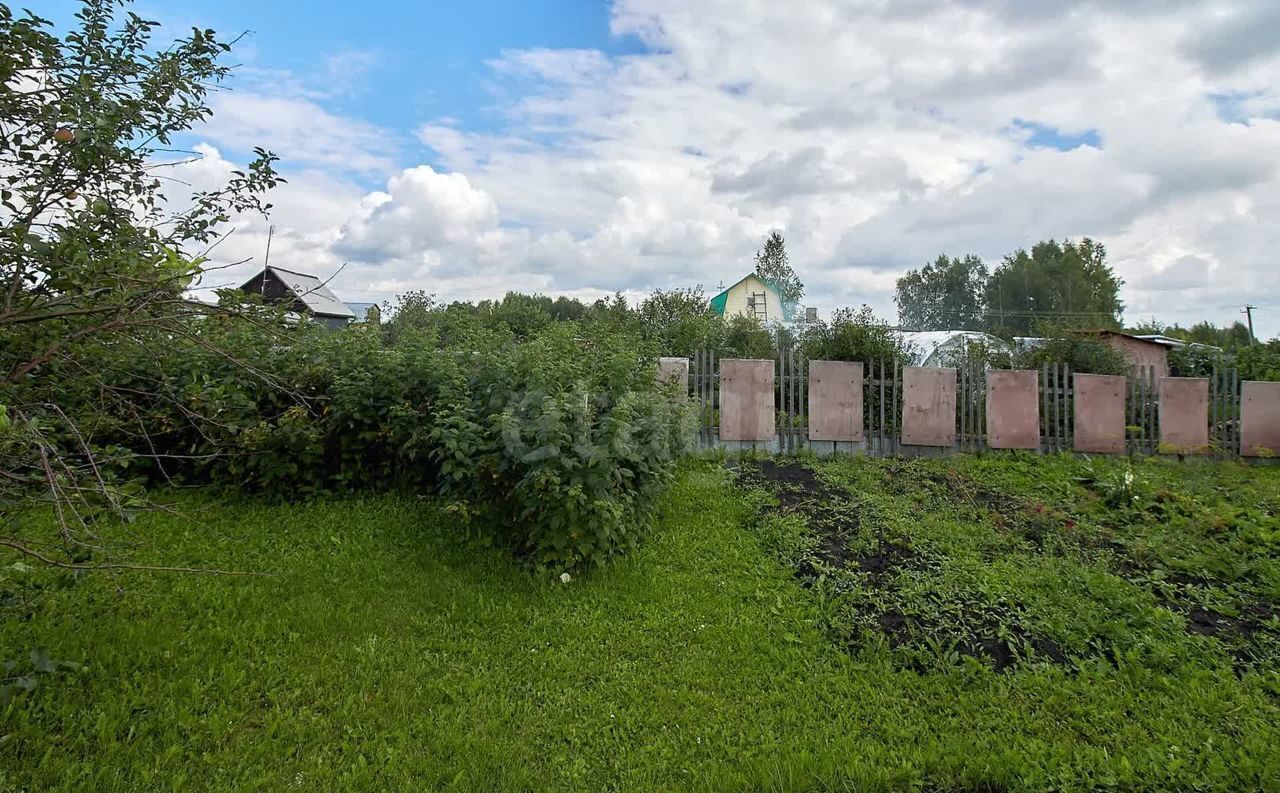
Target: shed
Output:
[
  {"x": 1137, "y": 350},
  {"x": 303, "y": 293}
]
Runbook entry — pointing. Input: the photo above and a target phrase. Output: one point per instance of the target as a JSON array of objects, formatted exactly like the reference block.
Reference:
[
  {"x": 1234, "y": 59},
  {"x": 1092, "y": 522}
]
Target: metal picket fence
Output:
[{"x": 883, "y": 399}]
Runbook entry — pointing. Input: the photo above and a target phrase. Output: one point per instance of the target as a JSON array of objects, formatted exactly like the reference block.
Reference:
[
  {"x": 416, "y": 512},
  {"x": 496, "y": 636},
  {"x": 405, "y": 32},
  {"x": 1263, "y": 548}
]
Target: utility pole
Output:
[
  {"x": 1248, "y": 312},
  {"x": 271, "y": 230}
]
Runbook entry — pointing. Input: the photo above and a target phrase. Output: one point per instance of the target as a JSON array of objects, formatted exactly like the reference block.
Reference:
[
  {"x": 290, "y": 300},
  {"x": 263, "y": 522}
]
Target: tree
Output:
[
  {"x": 680, "y": 321},
  {"x": 773, "y": 267},
  {"x": 1260, "y": 361},
  {"x": 853, "y": 335},
  {"x": 93, "y": 253},
  {"x": 745, "y": 337},
  {"x": 1065, "y": 284},
  {"x": 944, "y": 295},
  {"x": 1228, "y": 337}
]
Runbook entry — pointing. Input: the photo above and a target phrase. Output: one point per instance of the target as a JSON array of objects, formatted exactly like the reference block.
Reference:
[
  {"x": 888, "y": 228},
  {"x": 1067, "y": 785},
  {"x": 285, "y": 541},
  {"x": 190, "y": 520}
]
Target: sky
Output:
[{"x": 585, "y": 147}]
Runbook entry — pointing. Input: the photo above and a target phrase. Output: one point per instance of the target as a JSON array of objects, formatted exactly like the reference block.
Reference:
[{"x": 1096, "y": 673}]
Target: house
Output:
[
  {"x": 303, "y": 293},
  {"x": 751, "y": 297}
]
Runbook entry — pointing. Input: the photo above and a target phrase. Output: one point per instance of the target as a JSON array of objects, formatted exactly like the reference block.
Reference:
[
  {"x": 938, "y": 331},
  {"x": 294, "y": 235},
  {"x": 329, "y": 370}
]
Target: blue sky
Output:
[
  {"x": 585, "y": 147},
  {"x": 405, "y": 61}
]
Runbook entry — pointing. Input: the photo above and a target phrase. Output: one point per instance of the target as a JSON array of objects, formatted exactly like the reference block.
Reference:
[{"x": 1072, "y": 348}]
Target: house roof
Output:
[
  {"x": 719, "y": 302},
  {"x": 1110, "y": 332},
  {"x": 1175, "y": 343},
  {"x": 312, "y": 292}
]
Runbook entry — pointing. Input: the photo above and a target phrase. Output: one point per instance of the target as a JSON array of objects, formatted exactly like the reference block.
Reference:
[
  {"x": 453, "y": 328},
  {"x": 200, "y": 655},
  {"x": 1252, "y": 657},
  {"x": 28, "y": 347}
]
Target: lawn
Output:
[{"x": 970, "y": 624}]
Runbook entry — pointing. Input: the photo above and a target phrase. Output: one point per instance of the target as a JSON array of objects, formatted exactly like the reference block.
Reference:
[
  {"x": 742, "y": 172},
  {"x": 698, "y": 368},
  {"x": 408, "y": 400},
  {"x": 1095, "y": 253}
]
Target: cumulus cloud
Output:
[
  {"x": 876, "y": 134},
  {"x": 422, "y": 210}
]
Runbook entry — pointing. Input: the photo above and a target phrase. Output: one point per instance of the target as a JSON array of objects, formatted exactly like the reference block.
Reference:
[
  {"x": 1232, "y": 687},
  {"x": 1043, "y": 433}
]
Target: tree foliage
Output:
[
  {"x": 1066, "y": 284},
  {"x": 680, "y": 321},
  {"x": 852, "y": 335},
  {"x": 1228, "y": 338},
  {"x": 93, "y": 252},
  {"x": 1260, "y": 361},
  {"x": 1081, "y": 352},
  {"x": 773, "y": 266},
  {"x": 944, "y": 295}
]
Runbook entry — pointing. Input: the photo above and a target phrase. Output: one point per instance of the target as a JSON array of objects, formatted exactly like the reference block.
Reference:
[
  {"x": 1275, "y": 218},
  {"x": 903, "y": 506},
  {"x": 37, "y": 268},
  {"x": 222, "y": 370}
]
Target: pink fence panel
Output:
[
  {"x": 1099, "y": 410},
  {"x": 1013, "y": 409},
  {"x": 746, "y": 399},
  {"x": 928, "y": 406},
  {"x": 835, "y": 401},
  {"x": 1184, "y": 415},
  {"x": 674, "y": 370},
  {"x": 1259, "y": 419}
]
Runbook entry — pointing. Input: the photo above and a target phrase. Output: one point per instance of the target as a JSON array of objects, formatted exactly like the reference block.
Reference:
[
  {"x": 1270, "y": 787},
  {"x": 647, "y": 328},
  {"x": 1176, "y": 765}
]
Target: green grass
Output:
[{"x": 383, "y": 655}]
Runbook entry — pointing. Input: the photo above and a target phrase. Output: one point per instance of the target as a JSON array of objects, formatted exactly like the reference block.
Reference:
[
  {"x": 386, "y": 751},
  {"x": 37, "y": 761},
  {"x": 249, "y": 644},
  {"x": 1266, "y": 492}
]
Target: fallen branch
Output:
[{"x": 17, "y": 546}]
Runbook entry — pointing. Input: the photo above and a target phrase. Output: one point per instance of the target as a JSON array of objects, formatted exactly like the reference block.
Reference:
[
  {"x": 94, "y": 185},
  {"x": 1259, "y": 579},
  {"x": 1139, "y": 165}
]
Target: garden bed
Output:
[{"x": 950, "y": 559}]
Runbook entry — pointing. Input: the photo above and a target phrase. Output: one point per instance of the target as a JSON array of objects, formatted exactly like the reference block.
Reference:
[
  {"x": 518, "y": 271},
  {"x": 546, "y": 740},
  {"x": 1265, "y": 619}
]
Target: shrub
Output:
[
  {"x": 1260, "y": 361},
  {"x": 557, "y": 443},
  {"x": 1194, "y": 360},
  {"x": 852, "y": 335},
  {"x": 1080, "y": 353}
]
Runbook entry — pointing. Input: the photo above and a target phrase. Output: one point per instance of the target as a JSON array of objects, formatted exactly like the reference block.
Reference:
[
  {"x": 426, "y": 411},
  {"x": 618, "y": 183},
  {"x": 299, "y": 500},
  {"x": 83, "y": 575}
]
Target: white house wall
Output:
[{"x": 736, "y": 301}]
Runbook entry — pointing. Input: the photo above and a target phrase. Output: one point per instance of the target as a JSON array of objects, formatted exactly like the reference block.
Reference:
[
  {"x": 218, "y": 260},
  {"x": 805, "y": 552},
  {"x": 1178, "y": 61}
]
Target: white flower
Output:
[{"x": 565, "y": 578}]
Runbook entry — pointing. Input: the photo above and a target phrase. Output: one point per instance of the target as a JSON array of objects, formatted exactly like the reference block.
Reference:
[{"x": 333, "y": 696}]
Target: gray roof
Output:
[
  {"x": 360, "y": 310},
  {"x": 313, "y": 293}
]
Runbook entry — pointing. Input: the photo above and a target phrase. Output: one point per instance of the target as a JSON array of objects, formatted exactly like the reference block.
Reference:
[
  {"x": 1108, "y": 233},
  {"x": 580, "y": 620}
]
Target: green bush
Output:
[
  {"x": 1260, "y": 361},
  {"x": 1080, "y": 353},
  {"x": 1194, "y": 360},
  {"x": 563, "y": 445},
  {"x": 852, "y": 335},
  {"x": 556, "y": 443}
]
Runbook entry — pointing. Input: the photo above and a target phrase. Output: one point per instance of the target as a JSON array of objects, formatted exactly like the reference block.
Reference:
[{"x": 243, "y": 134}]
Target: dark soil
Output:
[
  {"x": 1237, "y": 633},
  {"x": 838, "y": 520},
  {"x": 834, "y": 517},
  {"x": 1204, "y": 622}
]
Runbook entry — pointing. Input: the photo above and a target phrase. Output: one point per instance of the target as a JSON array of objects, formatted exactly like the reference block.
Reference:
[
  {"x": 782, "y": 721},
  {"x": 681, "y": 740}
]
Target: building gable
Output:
[{"x": 751, "y": 296}]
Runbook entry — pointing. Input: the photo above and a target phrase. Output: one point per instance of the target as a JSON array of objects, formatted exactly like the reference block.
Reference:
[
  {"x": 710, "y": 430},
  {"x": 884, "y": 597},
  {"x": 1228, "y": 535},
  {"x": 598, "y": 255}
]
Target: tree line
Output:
[
  {"x": 1063, "y": 283},
  {"x": 1053, "y": 286}
]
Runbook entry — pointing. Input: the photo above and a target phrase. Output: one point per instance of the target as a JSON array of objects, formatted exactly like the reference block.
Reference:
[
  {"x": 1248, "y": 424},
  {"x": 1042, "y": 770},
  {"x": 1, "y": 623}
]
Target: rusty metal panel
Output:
[
  {"x": 928, "y": 406},
  {"x": 746, "y": 399},
  {"x": 674, "y": 370},
  {"x": 1013, "y": 409},
  {"x": 1099, "y": 410},
  {"x": 1259, "y": 419},
  {"x": 835, "y": 401},
  {"x": 1184, "y": 415}
]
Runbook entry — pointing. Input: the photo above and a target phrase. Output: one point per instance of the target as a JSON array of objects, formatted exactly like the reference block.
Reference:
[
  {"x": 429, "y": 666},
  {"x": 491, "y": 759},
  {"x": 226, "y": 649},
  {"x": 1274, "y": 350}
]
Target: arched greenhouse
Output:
[{"x": 948, "y": 347}]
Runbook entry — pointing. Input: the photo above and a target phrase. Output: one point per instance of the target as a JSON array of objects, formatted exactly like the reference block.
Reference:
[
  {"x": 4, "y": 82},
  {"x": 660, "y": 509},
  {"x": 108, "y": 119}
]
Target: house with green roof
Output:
[{"x": 752, "y": 297}]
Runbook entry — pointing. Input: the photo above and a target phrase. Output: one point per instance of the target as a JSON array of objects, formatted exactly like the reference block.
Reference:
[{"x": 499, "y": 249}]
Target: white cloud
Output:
[
  {"x": 300, "y": 131},
  {"x": 421, "y": 211},
  {"x": 876, "y": 133}
]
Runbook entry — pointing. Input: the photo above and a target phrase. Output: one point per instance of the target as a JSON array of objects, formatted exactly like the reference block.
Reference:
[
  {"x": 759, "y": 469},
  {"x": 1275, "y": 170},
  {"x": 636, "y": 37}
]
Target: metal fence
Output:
[{"x": 882, "y": 405}]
